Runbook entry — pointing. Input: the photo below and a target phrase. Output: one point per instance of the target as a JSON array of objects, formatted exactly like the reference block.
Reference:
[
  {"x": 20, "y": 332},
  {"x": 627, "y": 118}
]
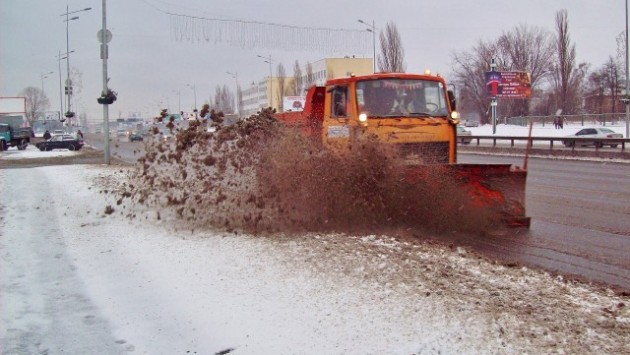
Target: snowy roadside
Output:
[{"x": 156, "y": 287}]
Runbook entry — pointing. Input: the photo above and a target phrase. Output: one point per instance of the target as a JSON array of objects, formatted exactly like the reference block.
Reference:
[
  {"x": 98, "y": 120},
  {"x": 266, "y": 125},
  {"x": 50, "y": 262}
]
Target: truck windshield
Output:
[{"x": 401, "y": 98}]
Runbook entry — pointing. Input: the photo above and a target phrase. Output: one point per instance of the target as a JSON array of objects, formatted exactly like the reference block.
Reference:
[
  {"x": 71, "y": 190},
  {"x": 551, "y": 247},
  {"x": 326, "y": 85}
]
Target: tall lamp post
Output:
[
  {"x": 194, "y": 89},
  {"x": 68, "y": 81},
  {"x": 59, "y": 59},
  {"x": 235, "y": 77},
  {"x": 372, "y": 28},
  {"x": 179, "y": 100},
  {"x": 627, "y": 98},
  {"x": 45, "y": 76},
  {"x": 268, "y": 60}
]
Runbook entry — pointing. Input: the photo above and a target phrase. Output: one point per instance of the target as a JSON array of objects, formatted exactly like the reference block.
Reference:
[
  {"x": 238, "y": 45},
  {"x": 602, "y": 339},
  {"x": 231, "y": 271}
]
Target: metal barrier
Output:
[
  {"x": 571, "y": 142},
  {"x": 601, "y": 119}
]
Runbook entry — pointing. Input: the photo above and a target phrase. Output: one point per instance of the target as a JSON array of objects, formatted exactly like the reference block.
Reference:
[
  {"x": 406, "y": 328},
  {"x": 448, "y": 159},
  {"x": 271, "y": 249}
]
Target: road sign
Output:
[{"x": 108, "y": 36}]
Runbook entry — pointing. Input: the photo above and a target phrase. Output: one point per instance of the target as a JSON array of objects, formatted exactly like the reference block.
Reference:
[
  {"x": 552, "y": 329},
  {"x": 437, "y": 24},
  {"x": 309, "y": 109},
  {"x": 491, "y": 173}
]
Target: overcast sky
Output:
[{"x": 147, "y": 66}]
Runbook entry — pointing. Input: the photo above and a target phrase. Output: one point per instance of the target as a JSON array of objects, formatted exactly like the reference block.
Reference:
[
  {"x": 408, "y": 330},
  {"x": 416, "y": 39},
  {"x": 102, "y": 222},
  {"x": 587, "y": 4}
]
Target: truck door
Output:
[{"x": 337, "y": 116}]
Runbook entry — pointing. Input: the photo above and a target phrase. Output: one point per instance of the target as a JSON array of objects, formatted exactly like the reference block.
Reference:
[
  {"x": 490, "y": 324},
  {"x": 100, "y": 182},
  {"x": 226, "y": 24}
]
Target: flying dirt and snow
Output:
[{"x": 218, "y": 243}]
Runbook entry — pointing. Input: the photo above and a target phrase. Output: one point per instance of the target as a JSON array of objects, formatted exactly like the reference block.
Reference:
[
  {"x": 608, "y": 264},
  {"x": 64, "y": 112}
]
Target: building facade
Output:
[{"x": 271, "y": 91}]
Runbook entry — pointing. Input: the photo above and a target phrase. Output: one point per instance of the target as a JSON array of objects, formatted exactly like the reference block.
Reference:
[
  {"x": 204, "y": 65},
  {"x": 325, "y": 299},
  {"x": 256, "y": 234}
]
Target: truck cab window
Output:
[{"x": 340, "y": 102}]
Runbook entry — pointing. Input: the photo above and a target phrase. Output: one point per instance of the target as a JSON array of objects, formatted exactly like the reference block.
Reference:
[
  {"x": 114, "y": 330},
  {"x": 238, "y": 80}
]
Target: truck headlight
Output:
[
  {"x": 363, "y": 117},
  {"x": 455, "y": 115}
]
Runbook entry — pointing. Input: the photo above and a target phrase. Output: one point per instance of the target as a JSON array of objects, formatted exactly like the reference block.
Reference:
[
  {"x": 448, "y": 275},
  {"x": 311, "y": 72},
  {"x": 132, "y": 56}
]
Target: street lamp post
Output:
[
  {"x": 179, "y": 100},
  {"x": 372, "y": 28},
  {"x": 194, "y": 89},
  {"x": 44, "y": 76},
  {"x": 68, "y": 81},
  {"x": 627, "y": 79},
  {"x": 235, "y": 76},
  {"x": 59, "y": 59},
  {"x": 268, "y": 60}
]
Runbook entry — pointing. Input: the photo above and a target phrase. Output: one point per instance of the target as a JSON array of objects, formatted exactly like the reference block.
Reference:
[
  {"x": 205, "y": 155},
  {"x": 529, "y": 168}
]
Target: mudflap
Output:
[{"x": 489, "y": 186}]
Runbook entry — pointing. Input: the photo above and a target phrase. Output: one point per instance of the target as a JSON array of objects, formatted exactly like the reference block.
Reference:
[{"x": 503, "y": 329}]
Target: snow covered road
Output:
[{"x": 76, "y": 280}]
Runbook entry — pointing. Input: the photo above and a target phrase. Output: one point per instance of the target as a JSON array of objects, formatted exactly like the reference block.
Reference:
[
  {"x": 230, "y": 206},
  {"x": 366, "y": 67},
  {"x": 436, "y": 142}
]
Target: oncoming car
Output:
[
  {"x": 135, "y": 137},
  {"x": 600, "y": 133},
  {"x": 64, "y": 141}
]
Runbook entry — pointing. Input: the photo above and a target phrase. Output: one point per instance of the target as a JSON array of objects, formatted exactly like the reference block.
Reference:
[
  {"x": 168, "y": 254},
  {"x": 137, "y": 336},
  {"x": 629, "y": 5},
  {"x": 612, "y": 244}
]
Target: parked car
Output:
[
  {"x": 470, "y": 123},
  {"x": 463, "y": 135},
  {"x": 593, "y": 132},
  {"x": 64, "y": 141},
  {"x": 135, "y": 137}
]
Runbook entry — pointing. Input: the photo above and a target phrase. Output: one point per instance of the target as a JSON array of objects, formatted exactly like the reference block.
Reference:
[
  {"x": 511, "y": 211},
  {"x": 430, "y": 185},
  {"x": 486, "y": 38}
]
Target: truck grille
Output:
[{"x": 425, "y": 153}]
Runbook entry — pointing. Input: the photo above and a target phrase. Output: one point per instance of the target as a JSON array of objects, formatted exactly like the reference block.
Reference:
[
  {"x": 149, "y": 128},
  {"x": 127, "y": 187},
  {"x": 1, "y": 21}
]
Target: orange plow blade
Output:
[{"x": 497, "y": 187}]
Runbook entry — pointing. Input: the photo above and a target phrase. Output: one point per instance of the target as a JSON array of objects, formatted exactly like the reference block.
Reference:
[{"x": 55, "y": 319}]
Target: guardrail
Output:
[{"x": 573, "y": 141}]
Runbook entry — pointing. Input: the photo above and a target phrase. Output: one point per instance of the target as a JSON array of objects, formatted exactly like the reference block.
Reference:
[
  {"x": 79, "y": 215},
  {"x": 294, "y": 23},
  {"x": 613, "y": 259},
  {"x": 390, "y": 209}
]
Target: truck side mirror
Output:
[{"x": 452, "y": 100}]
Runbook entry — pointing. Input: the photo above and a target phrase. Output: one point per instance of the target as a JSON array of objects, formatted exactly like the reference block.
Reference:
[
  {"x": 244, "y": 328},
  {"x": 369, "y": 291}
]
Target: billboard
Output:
[
  {"x": 508, "y": 84},
  {"x": 293, "y": 103}
]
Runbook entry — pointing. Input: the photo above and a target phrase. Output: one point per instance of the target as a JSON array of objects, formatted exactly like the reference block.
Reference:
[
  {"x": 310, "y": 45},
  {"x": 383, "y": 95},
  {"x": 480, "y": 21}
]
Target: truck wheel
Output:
[{"x": 3, "y": 145}]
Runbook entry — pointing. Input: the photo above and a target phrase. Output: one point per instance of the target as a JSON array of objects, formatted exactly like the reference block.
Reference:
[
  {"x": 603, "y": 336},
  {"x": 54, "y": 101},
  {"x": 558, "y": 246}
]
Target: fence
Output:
[{"x": 585, "y": 119}]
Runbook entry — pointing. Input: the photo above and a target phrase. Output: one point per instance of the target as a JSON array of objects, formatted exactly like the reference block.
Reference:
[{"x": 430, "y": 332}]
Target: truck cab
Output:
[{"x": 416, "y": 113}]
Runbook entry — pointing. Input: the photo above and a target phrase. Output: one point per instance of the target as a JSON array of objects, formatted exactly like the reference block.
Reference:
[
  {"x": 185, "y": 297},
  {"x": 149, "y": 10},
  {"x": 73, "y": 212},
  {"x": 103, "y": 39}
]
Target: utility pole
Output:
[
  {"x": 235, "y": 77},
  {"x": 268, "y": 60},
  {"x": 372, "y": 28},
  {"x": 494, "y": 103},
  {"x": 104, "y": 37},
  {"x": 69, "y": 112},
  {"x": 627, "y": 98}
]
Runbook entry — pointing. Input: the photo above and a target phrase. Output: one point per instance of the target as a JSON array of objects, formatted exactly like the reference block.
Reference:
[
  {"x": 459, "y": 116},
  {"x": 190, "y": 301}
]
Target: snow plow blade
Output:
[{"x": 499, "y": 187}]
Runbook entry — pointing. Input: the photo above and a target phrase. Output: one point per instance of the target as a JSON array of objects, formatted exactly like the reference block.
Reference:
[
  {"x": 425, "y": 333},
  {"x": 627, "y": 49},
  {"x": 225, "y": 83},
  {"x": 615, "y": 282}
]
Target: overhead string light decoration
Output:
[{"x": 261, "y": 35}]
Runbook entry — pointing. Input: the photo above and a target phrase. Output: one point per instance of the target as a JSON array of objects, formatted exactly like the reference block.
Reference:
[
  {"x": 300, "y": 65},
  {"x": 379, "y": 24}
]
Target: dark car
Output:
[
  {"x": 135, "y": 137},
  {"x": 64, "y": 141}
]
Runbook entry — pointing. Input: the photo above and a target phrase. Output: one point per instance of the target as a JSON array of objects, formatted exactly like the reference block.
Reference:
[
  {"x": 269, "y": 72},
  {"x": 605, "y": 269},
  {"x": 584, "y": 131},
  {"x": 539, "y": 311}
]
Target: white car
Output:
[
  {"x": 463, "y": 135},
  {"x": 601, "y": 133}
]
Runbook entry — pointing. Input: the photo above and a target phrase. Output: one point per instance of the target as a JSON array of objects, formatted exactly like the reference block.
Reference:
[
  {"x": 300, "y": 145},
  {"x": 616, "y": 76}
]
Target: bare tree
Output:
[
  {"x": 469, "y": 68},
  {"x": 239, "y": 98},
  {"x": 310, "y": 77},
  {"x": 528, "y": 49},
  {"x": 297, "y": 79},
  {"x": 223, "y": 100},
  {"x": 36, "y": 102},
  {"x": 612, "y": 74},
  {"x": 282, "y": 80},
  {"x": 595, "y": 92},
  {"x": 567, "y": 77},
  {"x": 392, "y": 57}
]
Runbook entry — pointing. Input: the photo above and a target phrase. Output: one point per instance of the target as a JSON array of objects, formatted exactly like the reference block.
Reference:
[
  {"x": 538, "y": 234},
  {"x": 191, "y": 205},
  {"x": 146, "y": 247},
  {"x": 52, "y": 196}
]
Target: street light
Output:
[
  {"x": 268, "y": 60},
  {"x": 372, "y": 28},
  {"x": 44, "y": 76},
  {"x": 68, "y": 81},
  {"x": 194, "y": 89},
  {"x": 59, "y": 59},
  {"x": 235, "y": 76},
  {"x": 627, "y": 79},
  {"x": 179, "y": 100}
]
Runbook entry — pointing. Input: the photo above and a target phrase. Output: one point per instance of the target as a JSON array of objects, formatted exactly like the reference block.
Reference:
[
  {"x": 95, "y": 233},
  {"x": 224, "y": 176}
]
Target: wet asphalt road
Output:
[{"x": 580, "y": 214}]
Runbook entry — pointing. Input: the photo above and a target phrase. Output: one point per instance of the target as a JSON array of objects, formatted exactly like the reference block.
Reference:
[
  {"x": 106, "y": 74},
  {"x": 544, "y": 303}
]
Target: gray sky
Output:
[{"x": 147, "y": 66}]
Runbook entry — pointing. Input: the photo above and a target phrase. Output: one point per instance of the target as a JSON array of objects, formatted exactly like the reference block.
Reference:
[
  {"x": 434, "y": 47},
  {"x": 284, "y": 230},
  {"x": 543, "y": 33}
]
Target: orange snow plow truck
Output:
[{"x": 416, "y": 113}]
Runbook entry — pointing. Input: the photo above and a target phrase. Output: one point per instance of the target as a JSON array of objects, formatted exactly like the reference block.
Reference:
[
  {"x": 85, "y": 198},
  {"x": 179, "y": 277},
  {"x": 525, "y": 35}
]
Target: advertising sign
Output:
[
  {"x": 508, "y": 84},
  {"x": 293, "y": 103}
]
